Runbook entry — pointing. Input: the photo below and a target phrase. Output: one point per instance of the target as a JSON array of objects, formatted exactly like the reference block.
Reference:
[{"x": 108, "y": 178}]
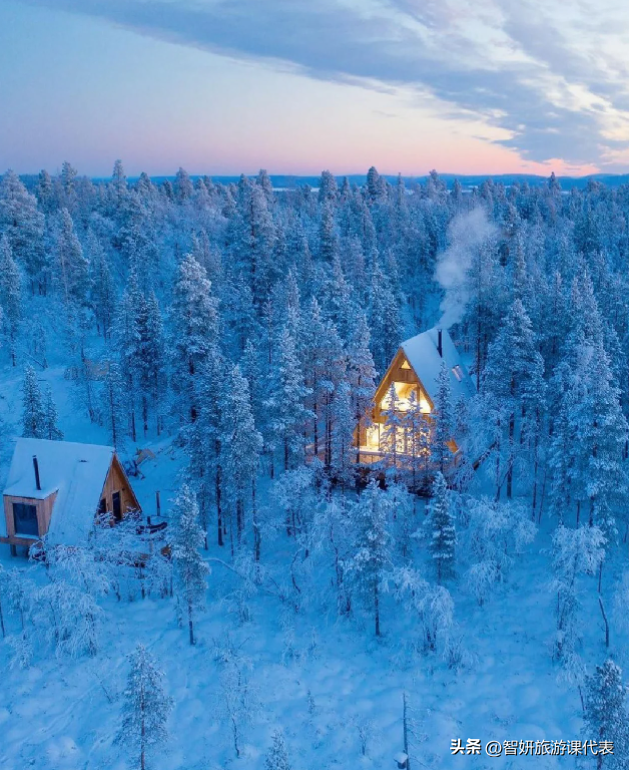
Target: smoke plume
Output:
[{"x": 466, "y": 235}]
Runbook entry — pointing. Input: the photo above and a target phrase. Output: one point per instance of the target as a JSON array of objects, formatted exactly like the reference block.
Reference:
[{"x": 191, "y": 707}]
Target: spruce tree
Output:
[
  {"x": 33, "y": 413},
  {"x": 443, "y": 536},
  {"x": 606, "y": 715},
  {"x": 10, "y": 297},
  {"x": 145, "y": 710},
  {"x": 443, "y": 420},
  {"x": 241, "y": 445},
  {"x": 51, "y": 431},
  {"x": 194, "y": 314},
  {"x": 189, "y": 569},
  {"x": 373, "y": 546},
  {"x": 277, "y": 757}
]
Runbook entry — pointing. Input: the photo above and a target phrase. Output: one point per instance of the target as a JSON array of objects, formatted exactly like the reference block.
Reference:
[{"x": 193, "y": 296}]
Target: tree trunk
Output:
[
  {"x": 219, "y": 507},
  {"x": 190, "y": 626},
  {"x": 376, "y": 598}
]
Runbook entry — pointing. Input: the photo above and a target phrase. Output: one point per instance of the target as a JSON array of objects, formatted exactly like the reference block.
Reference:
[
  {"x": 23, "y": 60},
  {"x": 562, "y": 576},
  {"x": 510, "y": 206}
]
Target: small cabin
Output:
[
  {"x": 57, "y": 488},
  {"x": 414, "y": 371}
]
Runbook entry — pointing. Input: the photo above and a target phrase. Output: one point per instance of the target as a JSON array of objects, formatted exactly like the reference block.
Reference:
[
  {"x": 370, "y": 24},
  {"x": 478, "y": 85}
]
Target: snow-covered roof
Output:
[
  {"x": 76, "y": 472},
  {"x": 423, "y": 355}
]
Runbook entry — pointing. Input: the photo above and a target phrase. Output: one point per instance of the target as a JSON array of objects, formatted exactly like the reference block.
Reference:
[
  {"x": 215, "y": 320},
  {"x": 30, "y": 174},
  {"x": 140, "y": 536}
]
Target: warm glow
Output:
[
  {"x": 372, "y": 437},
  {"x": 403, "y": 392}
]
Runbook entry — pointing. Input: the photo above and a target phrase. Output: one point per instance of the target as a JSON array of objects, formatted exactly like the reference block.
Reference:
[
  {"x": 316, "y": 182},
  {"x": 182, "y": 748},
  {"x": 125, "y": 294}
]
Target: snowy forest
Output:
[{"x": 303, "y": 610}]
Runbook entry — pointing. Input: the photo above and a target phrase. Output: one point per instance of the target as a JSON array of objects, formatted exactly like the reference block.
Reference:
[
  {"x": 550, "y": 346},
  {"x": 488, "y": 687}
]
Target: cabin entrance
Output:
[{"x": 115, "y": 498}]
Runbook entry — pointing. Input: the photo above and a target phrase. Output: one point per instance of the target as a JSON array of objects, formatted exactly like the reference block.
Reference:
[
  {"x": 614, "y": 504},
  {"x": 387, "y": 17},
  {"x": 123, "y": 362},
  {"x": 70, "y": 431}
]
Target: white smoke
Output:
[{"x": 466, "y": 235}]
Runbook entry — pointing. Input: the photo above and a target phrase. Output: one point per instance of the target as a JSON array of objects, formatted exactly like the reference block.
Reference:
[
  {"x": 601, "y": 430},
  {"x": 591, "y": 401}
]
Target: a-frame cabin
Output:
[
  {"x": 414, "y": 369},
  {"x": 57, "y": 488}
]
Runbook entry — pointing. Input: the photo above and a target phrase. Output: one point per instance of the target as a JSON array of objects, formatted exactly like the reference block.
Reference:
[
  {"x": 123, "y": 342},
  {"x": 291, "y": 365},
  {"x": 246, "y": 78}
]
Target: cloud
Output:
[{"x": 555, "y": 78}]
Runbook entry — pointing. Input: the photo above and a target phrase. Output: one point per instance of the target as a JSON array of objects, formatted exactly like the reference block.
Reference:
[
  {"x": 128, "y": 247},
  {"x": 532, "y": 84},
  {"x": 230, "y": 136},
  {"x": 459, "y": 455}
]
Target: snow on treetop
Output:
[
  {"x": 76, "y": 472},
  {"x": 423, "y": 355}
]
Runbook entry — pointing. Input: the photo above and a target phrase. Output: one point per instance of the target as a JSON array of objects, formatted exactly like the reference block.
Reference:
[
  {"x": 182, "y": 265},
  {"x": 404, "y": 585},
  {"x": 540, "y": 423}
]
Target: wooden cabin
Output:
[
  {"x": 414, "y": 370},
  {"x": 57, "y": 488}
]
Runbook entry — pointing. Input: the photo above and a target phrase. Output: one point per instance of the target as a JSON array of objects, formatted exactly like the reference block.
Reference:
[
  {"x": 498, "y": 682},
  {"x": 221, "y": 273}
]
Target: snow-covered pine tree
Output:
[
  {"x": 606, "y": 717},
  {"x": 343, "y": 425},
  {"x": 277, "y": 756},
  {"x": 72, "y": 268},
  {"x": 442, "y": 531},
  {"x": 10, "y": 297},
  {"x": 146, "y": 708},
  {"x": 150, "y": 360},
  {"x": 33, "y": 413},
  {"x": 113, "y": 398},
  {"x": 393, "y": 434},
  {"x": 361, "y": 373},
  {"x": 443, "y": 419},
  {"x": 51, "y": 430},
  {"x": 126, "y": 338},
  {"x": 241, "y": 445},
  {"x": 194, "y": 314},
  {"x": 514, "y": 378},
  {"x": 288, "y": 393},
  {"x": 102, "y": 292},
  {"x": 373, "y": 546},
  {"x": 189, "y": 568},
  {"x": 417, "y": 431},
  {"x": 23, "y": 224}
]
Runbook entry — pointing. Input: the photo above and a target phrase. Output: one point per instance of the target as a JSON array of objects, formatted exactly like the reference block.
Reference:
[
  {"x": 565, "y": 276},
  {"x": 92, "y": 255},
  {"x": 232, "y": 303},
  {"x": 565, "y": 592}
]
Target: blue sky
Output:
[{"x": 224, "y": 86}]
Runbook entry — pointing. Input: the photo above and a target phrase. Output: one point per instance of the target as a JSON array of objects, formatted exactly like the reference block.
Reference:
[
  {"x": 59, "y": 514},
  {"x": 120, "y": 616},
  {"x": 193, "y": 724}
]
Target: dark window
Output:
[
  {"x": 25, "y": 519},
  {"x": 102, "y": 507},
  {"x": 117, "y": 506}
]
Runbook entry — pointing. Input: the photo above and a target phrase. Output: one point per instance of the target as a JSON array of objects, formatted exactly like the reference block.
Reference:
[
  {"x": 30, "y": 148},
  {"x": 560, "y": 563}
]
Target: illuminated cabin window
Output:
[
  {"x": 404, "y": 391},
  {"x": 372, "y": 437},
  {"x": 405, "y": 364},
  {"x": 457, "y": 372}
]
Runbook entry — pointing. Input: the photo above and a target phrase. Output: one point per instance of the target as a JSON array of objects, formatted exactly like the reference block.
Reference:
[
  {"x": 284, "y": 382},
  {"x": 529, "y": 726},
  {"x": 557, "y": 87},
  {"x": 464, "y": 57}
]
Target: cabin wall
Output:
[
  {"x": 116, "y": 481},
  {"x": 44, "y": 512}
]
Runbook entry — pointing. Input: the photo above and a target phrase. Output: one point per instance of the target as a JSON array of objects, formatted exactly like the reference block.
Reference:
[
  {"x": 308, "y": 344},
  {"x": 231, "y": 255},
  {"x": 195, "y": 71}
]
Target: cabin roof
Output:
[
  {"x": 76, "y": 472},
  {"x": 423, "y": 355}
]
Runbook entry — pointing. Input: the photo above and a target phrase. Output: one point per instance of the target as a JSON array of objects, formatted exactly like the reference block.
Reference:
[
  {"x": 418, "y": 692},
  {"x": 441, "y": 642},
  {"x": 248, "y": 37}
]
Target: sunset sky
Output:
[{"x": 296, "y": 86}]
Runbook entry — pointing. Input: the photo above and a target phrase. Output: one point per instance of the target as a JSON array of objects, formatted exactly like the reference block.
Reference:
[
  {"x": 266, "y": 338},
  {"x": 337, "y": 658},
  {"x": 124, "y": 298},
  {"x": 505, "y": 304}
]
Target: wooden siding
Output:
[
  {"x": 117, "y": 481},
  {"x": 44, "y": 512}
]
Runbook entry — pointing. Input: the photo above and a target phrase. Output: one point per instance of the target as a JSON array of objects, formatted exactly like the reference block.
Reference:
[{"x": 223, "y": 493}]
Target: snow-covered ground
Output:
[{"x": 326, "y": 682}]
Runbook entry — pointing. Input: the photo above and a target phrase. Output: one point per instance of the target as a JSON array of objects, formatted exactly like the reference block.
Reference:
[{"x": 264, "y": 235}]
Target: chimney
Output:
[
  {"x": 440, "y": 342},
  {"x": 36, "y": 469}
]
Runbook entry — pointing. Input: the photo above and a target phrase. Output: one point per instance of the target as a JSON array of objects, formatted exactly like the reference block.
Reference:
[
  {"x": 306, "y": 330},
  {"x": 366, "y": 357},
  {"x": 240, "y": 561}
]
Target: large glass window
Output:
[{"x": 25, "y": 519}]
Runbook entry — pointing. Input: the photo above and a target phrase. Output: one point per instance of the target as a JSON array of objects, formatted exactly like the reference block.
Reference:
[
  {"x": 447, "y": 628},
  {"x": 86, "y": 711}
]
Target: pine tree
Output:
[
  {"x": 189, "y": 569},
  {"x": 72, "y": 268},
  {"x": 441, "y": 523},
  {"x": 150, "y": 364},
  {"x": 51, "y": 431},
  {"x": 114, "y": 399},
  {"x": 241, "y": 445},
  {"x": 361, "y": 374},
  {"x": 372, "y": 547},
  {"x": 146, "y": 708},
  {"x": 277, "y": 757},
  {"x": 393, "y": 434},
  {"x": 10, "y": 296},
  {"x": 23, "y": 225},
  {"x": 126, "y": 338},
  {"x": 514, "y": 377},
  {"x": 606, "y": 715},
  {"x": 102, "y": 294},
  {"x": 33, "y": 413},
  {"x": 287, "y": 401},
  {"x": 194, "y": 315},
  {"x": 417, "y": 436},
  {"x": 443, "y": 419}
]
